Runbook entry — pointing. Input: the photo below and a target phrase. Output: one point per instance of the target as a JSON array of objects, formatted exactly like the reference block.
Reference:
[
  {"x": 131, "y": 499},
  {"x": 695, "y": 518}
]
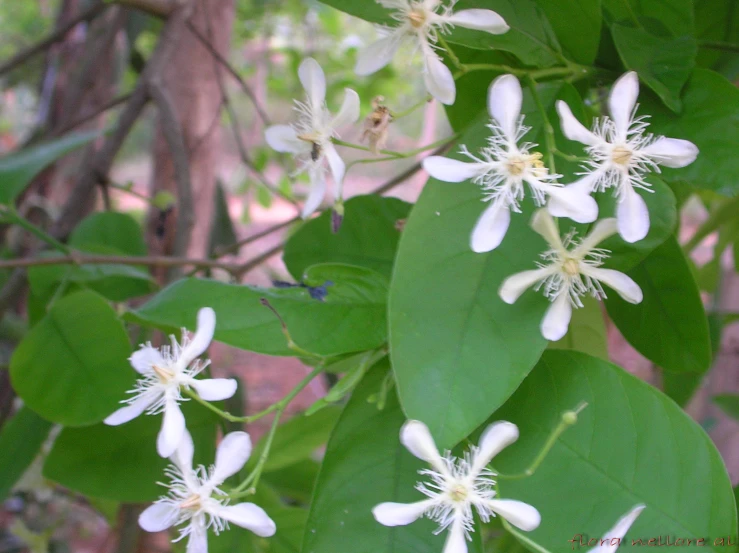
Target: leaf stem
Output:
[
  {"x": 410, "y": 153},
  {"x": 398, "y": 114},
  {"x": 725, "y": 212},
  {"x": 548, "y": 129},
  {"x": 718, "y": 45},
  {"x": 450, "y": 52},
  {"x": 17, "y": 219}
]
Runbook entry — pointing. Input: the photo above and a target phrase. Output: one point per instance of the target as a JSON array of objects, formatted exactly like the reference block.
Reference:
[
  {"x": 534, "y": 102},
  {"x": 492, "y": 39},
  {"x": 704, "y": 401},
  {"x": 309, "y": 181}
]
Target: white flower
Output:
[
  {"x": 421, "y": 23},
  {"x": 612, "y": 539},
  {"x": 568, "y": 273},
  {"x": 164, "y": 372},
  {"x": 623, "y": 154},
  {"x": 504, "y": 166},
  {"x": 458, "y": 485},
  {"x": 194, "y": 497},
  {"x": 310, "y": 138}
]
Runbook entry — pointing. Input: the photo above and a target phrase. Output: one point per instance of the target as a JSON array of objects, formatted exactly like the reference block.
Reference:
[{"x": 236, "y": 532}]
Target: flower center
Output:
[
  {"x": 518, "y": 164},
  {"x": 571, "y": 267},
  {"x": 458, "y": 493},
  {"x": 164, "y": 374},
  {"x": 621, "y": 155},
  {"x": 417, "y": 17},
  {"x": 192, "y": 503}
]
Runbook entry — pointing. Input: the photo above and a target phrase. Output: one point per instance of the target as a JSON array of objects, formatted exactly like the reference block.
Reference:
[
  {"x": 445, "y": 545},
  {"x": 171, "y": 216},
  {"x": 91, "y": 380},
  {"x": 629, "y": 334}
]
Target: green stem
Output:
[
  {"x": 450, "y": 52},
  {"x": 398, "y": 114},
  {"x": 17, "y": 219},
  {"x": 573, "y": 71},
  {"x": 568, "y": 157},
  {"x": 717, "y": 45},
  {"x": 548, "y": 129},
  {"x": 725, "y": 212},
  {"x": 408, "y": 154}
]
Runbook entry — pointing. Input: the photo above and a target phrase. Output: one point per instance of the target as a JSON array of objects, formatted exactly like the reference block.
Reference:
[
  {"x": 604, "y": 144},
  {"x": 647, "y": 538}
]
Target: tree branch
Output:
[{"x": 158, "y": 8}]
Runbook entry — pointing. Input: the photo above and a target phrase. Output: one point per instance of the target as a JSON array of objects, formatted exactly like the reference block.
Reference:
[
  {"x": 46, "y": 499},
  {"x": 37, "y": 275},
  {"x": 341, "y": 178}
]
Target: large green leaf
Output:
[
  {"x": 577, "y": 24},
  {"x": 663, "y": 63},
  {"x": 117, "y": 231},
  {"x": 365, "y": 465},
  {"x": 669, "y": 327},
  {"x": 630, "y": 445},
  {"x": 351, "y": 318},
  {"x": 20, "y": 441},
  {"x": 710, "y": 119},
  {"x": 121, "y": 462},
  {"x": 368, "y": 237},
  {"x": 674, "y": 15},
  {"x": 18, "y": 169},
  {"x": 72, "y": 367},
  {"x": 587, "y": 331}
]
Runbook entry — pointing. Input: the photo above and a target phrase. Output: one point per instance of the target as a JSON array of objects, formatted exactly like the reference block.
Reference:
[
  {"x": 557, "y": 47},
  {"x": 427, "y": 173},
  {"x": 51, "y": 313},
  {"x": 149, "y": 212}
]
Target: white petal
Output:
[
  {"x": 544, "y": 225},
  {"x": 504, "y": 103},
  {"x": 283, "y": 138},
  {"x": 349, "y": 112},
  {"x": 621, "y": 283},
  {"x": 378, "y": 54},
  {"x": 201, "y": 339},
  {"x": 455, "y": 541},
  {"x": 130, "y": 412},
  {"x": 400, "y": 514},
  {"x": 573, "y": 204},
  {"x": 249, "y": 516},
  {"x": 517, "y": 284},
  {"x": 232, "y": 454},
  {"x": 158, "y": 517},
  {"x": 417, "y": 439},
  {"x": 214, "y": 389},
  {"x": 671, "y": 152},
  {"x": 557, "y": 319},
  {"x": 480, "y": 20},
  {"x": 497, "y": 436},
  {"x": 317, "y": 190},
  {"x": 572, "y": 128},
  {"x": 632, "y": 215},
  {"x": 618, "y": 531},
  {"x": 173, "y": 430},
  {"x": 490, "y": 228},
  {"x": 198, "y": 540},
  {"x": 313, "y": 81},
  {"x": 452, "y": 170},
  {"x": 438, "y": 78},
  {"x": 622, "y": 100},
  {"x": 605, "y": 228},
  {"x": 520, "y": 514},
  {"x": 337, "y": 166},
  {"x": 143, "y": 359}
]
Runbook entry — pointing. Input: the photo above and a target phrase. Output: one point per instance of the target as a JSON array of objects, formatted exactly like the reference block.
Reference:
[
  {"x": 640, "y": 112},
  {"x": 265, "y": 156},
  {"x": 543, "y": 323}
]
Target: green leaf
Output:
[
  {"x": 295, "y": 481},
  {"x": 577, "y": 24},
  {"x": 352, "y": 317},
  {"x": 18, "y": 169},
  {"x": 365, "y": 465},
  {"x": 72, "y": 367},
  {"x": 717, "y": 21},
  {"x": 630, "y": 445},
  {"x": 368, "y": 237},
  {"x": 710, "y": 119},
  {"x": 729, "y": 404},
  {"x": 20, "y": 441},
  {"x": 680, "y": 387},
  {"x": 672, "y": 310},
  {"x": 664, "y": 64},
  {"x": 674, "y": 15},
  {"x": 117, "y": 231},
  {"x": 121, "y": 463},
  {"x": 587, "y": 331}
]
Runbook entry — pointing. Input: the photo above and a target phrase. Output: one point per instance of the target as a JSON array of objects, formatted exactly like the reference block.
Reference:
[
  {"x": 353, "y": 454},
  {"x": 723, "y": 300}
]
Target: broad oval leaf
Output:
[
  {"x": 630, "y": 445},
  {"x": 20, "y": 441},
  {"x": 72, "y": 367},
  {"x": 350, "y": 318},
  {"x": 577, "y": 24},
  {"x": 587, "y": 331}
]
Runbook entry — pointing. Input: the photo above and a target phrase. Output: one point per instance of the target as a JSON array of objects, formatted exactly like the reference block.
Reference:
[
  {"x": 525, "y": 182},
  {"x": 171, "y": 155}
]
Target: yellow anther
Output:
[
  {"x": 165, "y": 375},
  {"x": 621, "y": 155},
  {"x": 571, "y": 267},
  {"x": 458, "y": 493},
  {"x": 417, "y": 18},
  {"x": 192, "y": 502}
]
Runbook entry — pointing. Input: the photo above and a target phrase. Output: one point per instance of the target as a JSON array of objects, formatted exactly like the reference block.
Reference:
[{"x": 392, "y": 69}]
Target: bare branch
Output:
[
  {"x": 158, "y": 8},
  {"x": 115, "y": 102}
]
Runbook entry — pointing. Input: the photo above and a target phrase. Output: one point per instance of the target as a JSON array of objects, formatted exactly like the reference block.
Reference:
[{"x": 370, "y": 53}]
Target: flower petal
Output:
[
  {"x": 455, "y": 541},
  {"x": 497, "y": 436},
  {"x": 158, "y": 517},
  {"x": 417, "y": 439},
  {"x": 504, "y": 103},
  {"x": 618, "y": 531},
  {"x": 131, "y": 411},
  {"x": 557, "y": 319},
  {"x": 605, "y": 228},
  {"x": 438, "y": 78},
  {"x": 517, "y": 284},
  {"x": 572, "y": 128},
  {"x": 621, "y": 283},
  {"x": 314, "y": 82},
  {"x": 143, "y": 359},
  {"x": 632, "y": 215},
  {"x": 198, "y": 539},
  {"x": 621, "y": 102},
  {"x": 349, "y": 112},
  {"x": 338, "y": 168},
  {"x": 490, "y": 228},
  {"x": 182, "y": 457},
  {"x": 249, "y": 516},
  {"x": 173, "y": 429},
  {"x": 573, "y": 204},
  {"x": 452, "y": 170},
  {"x": 520, "y": 514},
  {"x": 546, "y": 227},
  {"x": 232, "y": 454},
  {"x": 400, "y": 514},
  {"x": 479, "y": 20},
  {"x": 378, "y": 54},
  {"x": 214, "y": 389},
  {"x": 284, "y": 138},
  {"x": 317, "y": 190},
  {"x": 671, "y": 152},
  {"x": 201, "y": 339}
]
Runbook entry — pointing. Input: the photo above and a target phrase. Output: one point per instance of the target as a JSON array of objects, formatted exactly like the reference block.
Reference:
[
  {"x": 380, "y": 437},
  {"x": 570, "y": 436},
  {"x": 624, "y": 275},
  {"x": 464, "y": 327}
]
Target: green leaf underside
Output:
[{"x": 630, "y": 445}]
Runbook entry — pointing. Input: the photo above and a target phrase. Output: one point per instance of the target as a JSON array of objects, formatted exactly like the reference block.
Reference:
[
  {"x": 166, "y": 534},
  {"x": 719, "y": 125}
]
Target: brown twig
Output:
[
  {"x": 94, "y": 259},
  {"x": 58, "y": 35},
  {"x": 257, "y": 261},
  {"x": 158, "y": 8},
  {"x": 234, "y": 248},
  {"x": 115, "y": 102}
]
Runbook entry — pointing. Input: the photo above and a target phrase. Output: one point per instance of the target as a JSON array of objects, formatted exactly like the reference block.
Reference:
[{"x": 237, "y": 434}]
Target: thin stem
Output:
[
  {"x": 450, "y": 52},
  {"x": 78, "y": 258},
  {"x": 569, "y": 157},
  {"x": 129, "y": 190},
  {"x": 718, "y": 45},
  {"x": 396, "y": 155},
  {"x": 548, "y": 129},
  {"x": 17, "y": 219},
  {"x": 725, "y": 212},
  {"x": 398, "y": 114}
]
